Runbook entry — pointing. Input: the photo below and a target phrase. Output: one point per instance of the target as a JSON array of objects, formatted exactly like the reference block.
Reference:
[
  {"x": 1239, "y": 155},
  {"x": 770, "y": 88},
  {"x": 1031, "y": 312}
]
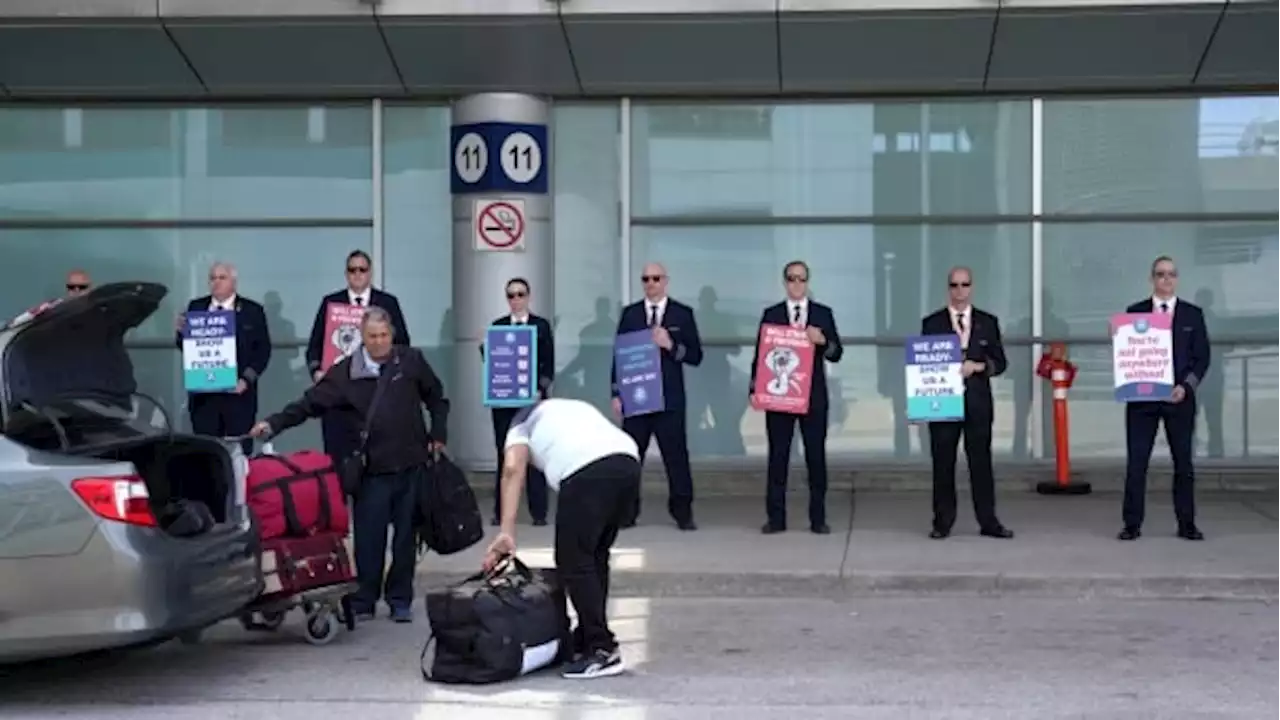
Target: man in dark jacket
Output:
[
  {"x": 398, "y": 447},
  {"x": 984, "y": 359},
  {"x": 231, "y": 413},
  {"x": 360, "y": 294},
  {"x": 1191, "y": 353},
  {"x": 819, "y": 324},
  {"x": 545, "y": 362},
  {"x": 675, "y": 332}
]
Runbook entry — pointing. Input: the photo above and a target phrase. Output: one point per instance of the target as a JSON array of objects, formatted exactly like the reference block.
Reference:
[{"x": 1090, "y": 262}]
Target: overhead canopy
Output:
[{"x": 574, "y": 48}]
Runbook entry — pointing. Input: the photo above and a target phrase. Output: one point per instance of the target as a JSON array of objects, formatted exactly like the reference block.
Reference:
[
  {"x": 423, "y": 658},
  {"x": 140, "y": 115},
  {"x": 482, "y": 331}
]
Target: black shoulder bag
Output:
[{"x": 355, "y": 465}]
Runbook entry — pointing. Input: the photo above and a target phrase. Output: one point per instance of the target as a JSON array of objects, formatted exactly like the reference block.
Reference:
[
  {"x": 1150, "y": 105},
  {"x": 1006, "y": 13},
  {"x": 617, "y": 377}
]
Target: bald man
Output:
[
  {"x": 675, "y": 332},
  {"x": 231, "y": 413},
  {"x": 78, "y": 283}
]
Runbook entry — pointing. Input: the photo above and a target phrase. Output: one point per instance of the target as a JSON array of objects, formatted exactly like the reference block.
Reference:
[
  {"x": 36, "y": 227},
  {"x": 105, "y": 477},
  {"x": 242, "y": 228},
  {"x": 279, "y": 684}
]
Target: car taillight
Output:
[{"x": 122, "y": 498}]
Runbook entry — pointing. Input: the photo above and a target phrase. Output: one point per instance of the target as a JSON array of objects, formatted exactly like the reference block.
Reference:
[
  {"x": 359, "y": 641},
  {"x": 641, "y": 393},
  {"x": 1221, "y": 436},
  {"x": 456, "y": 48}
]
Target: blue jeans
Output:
[{"x": 385, "y": 500}]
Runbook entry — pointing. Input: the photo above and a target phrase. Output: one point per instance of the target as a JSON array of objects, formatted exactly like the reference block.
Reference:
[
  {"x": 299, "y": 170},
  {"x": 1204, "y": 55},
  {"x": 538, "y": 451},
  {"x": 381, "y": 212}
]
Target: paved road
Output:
[{"x": 715, "y": 659}]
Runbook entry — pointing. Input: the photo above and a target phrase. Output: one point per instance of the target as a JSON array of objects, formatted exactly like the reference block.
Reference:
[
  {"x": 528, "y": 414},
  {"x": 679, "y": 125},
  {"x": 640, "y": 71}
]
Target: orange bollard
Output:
[{"x": 1061, "y": 373}]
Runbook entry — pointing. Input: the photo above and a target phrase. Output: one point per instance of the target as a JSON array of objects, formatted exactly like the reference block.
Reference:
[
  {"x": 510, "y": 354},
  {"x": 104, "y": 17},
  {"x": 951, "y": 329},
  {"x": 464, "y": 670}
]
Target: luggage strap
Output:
[{"x": 291, "y": 520}]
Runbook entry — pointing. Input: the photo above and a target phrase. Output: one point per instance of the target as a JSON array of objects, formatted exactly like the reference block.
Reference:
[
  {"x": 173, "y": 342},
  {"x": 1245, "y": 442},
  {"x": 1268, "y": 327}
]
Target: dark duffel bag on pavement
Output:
[{"x": 496, "y": 626}]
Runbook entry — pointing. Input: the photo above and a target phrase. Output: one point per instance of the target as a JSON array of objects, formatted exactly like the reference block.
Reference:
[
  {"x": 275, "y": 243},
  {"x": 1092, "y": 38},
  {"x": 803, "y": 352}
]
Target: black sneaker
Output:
[{"x": 598, "y": 664}]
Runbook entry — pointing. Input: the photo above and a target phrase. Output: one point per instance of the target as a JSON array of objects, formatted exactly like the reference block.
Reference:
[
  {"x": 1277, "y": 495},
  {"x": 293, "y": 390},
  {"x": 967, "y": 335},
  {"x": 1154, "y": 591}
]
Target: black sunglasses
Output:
[
  {"x": 357, "y": 269},
  {"x": 72, "y": 287},
  {"x": 955, "y": 285},
  {"x": 513, "y": 294},
  {"x": 650, "y": 278}
]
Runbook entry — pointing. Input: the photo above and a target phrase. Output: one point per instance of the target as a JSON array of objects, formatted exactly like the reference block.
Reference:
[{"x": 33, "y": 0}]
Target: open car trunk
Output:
[
  {"x": 69, "y": 389},
  {"x": 178, "y": 471}
]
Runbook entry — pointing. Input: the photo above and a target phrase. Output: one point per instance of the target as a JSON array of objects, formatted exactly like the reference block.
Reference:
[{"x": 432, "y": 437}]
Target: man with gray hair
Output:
[
  {"x": 378, "y": 393},
  {"x": 230, "y": 412}
]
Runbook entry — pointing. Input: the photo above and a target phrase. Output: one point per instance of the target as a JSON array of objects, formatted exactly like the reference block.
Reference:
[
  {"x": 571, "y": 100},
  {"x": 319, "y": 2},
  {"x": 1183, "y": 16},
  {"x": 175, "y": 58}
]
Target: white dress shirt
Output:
[
  {"x": 228, "y": 304},
  {"x": 1157, "y": 302},
  {"x": 363, "y": 297}
]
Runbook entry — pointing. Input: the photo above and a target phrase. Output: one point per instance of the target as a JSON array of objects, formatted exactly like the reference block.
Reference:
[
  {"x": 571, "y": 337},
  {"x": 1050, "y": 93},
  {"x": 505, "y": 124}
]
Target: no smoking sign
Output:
[{"x": 499, "y": 225}]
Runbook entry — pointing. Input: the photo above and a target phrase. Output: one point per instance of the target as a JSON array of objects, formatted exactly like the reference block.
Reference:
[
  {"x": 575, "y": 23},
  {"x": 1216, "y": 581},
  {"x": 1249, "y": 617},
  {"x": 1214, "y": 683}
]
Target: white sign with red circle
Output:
[{"x": 500, "y": 225}]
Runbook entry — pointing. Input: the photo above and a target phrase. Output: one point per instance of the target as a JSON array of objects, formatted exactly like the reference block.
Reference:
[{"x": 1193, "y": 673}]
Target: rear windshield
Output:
[{"x": 69, "y": 424}]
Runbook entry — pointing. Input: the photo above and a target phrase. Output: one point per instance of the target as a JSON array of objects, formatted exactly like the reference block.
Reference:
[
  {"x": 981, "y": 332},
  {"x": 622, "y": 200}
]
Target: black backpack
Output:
[
  {"x": 448, "y": 516},
  {"x": 496, "y": 626}
]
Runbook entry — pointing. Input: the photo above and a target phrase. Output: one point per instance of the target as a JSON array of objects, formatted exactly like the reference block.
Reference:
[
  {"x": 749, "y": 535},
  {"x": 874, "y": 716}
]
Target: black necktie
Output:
[
  {"x": 359, "y": 301},
  {"x": 960, "y": 322},
  {"x": 653, "y": 315},
  {"x": 796, "y": 318},
  {"x": 1164, "y": 307}
]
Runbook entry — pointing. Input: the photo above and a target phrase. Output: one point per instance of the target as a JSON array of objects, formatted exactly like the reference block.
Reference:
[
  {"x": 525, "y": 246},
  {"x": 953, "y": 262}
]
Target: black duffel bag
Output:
[
  {"x": 447, "y": 517},
  {"x": 496, "y": 626}
]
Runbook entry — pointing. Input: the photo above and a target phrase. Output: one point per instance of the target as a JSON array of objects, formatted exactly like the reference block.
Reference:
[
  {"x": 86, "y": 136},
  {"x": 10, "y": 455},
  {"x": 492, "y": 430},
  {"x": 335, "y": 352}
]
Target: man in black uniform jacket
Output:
[
  {"x": 819, "y": 322},
  {"x": 231, "y": 413},
  {"x": 398, "y": 450},
  {"x": 1191, "y": 350},
  {"x": 676, "y": 333},
  {"x": 984, "y": 359},
  {"x": 359, "y": 292},
  {"x": 518, "y": 301}
]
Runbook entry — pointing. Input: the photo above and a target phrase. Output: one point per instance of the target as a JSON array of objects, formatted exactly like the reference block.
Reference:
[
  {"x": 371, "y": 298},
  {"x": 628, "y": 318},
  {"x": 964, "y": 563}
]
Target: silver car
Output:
[{"x": 114, "y": 530}]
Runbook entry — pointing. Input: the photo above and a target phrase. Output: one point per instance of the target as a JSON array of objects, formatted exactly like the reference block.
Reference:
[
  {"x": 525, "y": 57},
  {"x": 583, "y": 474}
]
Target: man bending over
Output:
[{"x": 594, "y": 468}]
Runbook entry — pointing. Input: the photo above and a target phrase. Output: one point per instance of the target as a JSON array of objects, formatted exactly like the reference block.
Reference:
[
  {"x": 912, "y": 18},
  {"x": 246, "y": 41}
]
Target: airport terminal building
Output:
[{"x": 1056, "y": 147}]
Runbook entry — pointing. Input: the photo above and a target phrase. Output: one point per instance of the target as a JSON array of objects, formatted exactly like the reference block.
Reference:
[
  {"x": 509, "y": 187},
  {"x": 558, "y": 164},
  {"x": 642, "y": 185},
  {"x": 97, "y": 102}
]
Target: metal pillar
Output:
[{"x": 502, "y": 228}]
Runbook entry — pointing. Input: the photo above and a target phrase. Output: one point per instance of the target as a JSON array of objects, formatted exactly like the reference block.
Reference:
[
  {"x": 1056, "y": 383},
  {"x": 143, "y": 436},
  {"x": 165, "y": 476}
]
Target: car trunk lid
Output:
[{"x": 70, "y": 351}]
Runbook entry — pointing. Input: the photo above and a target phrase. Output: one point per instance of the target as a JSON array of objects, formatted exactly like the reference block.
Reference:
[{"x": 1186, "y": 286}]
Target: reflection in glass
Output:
[
  {"x": 789, "y": 159},
  {"x": 1095, "y": 269},
  {"x": 1173, "y": 155},
  {"x": 588, "y": 249},
  {"x": 168, "y": 163},
  {"x": 417, "y": 229}
]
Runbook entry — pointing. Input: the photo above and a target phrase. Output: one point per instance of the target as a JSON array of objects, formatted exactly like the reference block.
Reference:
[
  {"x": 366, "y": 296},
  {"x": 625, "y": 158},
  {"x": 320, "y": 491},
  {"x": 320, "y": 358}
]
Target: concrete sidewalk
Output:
[{"x": 1065, "y": 547}]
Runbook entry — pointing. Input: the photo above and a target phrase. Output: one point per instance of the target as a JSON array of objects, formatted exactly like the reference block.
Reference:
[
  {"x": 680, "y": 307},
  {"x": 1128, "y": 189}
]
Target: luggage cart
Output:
[{"x": 327, "y": 608}]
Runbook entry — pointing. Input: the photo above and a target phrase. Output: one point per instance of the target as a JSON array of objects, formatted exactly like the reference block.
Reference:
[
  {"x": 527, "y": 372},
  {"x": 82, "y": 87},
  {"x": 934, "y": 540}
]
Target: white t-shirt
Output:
[{"x": 565, "y": 436}]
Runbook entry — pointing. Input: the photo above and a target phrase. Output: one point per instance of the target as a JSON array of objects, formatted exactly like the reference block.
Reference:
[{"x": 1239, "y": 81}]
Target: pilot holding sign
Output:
[
  {"x": 819, "y": 325},
  {"x": 983, "y": 359}
]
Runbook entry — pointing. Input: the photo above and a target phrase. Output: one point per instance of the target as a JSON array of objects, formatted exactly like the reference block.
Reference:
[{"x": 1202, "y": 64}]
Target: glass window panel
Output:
[
  {"x": 280, "y": 162},
  {"x": 1161, "y": 155},
  {"x": 866, "y": 416},
  {"x": 91, "y": 163},
  {"x": 1092, "y": 270},
  {"x": 880, "y": 280},
  {"x": 588, "y": 248},
  {"x": 186, "y": 163},
  {"x": 832, "y": 159},
  {"x": 276, "y": 267},
  {"x": 417, "y": 229}
]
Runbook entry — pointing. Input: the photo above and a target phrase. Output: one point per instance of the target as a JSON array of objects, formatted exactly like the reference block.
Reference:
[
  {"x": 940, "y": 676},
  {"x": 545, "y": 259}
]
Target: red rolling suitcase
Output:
[
  {"x": 314, "y": 573},
  {"x": 291, "y": 566}
]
